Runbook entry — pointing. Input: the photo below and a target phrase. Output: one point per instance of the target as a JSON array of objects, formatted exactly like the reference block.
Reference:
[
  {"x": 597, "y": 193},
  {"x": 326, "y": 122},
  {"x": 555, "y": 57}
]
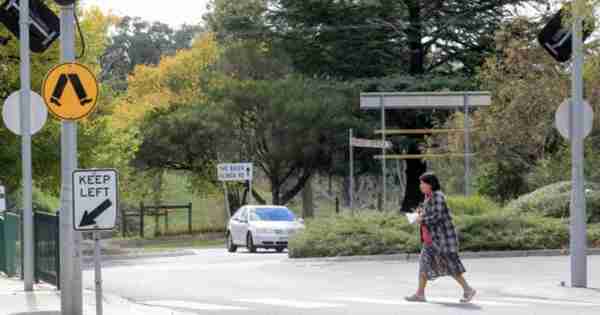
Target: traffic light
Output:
[
  {"x": 556, "y": 36},
  {"x": 45, "y": 25}
]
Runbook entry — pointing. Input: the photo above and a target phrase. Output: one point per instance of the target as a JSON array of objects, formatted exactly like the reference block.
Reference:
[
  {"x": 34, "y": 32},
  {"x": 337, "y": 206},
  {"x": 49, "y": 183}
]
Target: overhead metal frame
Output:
[{"x": 426, "y": 100}]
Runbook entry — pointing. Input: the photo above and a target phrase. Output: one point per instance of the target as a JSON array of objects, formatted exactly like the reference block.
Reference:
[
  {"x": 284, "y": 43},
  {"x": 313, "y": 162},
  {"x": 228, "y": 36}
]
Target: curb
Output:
[
  {"x": 464, "y": 255},
  {"x": 134, "y": 256}
]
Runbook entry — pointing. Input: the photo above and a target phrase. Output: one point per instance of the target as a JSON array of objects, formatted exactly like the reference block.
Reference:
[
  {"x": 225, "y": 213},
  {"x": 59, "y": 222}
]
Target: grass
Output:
[
  {"x": 182, "y": 244},
  {"x": 208, "y": 212}
]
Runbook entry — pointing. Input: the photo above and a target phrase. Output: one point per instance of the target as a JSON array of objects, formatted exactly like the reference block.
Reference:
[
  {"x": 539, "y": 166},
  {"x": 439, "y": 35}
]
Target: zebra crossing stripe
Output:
[
  {"x": 194, "y": 306},
  {"x": 551, "y": 302},
  {"x": 291, "y": 303}
]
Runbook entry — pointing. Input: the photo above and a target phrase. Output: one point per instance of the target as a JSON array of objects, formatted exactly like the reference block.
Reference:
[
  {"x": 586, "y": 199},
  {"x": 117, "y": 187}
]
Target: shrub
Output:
[
  {"x": 375, "y": 233},
  {"x": 362, "y": 234},
  {"x": 502, "y": 231},
  {"x": 553, "y": 201},
  {"x": 472, "y": 205},
  {"x": 42, "y": 201}
]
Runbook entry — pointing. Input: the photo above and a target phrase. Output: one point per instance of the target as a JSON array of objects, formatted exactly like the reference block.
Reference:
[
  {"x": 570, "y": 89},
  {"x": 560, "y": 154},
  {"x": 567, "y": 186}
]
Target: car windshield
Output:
[{"x": 272, "y": 214}]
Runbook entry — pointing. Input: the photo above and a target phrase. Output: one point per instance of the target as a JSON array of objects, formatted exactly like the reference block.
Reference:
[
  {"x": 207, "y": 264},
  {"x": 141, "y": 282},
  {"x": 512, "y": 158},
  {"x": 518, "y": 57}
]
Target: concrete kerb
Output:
[
  {"x": 87, "y": 260},
  {"x": 464, "y": 255}
]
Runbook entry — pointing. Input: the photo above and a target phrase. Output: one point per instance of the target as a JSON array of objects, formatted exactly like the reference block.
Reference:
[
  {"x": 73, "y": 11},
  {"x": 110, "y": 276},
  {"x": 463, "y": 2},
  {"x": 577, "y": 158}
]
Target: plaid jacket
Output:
[{"x": 439, "y": 222}]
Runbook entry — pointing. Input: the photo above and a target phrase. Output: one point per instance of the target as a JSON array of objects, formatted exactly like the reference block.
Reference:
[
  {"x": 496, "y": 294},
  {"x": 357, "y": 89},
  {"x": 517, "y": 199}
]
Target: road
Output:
[{"x": 216, "y": 282}]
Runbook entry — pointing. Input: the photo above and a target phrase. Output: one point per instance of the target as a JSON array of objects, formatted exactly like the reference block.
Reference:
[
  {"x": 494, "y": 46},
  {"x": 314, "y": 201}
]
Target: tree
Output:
[
  {"x": 379, "y": 40},
  {"x": 139, "y": 42},
  {"x": 249, "y": 108},
  {"x": 174, "y": 82},
  {"x": 517, "y": 138}
]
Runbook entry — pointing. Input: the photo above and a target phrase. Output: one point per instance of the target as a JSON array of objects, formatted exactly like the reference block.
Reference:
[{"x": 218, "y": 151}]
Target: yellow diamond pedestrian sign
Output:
[{"x": 70, "y": 91}]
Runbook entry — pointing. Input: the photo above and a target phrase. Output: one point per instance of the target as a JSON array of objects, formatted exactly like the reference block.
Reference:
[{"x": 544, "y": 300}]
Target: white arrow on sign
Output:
[{"x": 95, "y": 199}]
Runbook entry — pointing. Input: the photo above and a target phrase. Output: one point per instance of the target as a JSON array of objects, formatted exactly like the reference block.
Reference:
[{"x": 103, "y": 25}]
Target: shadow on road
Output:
[{"x": 462, "y": 306}]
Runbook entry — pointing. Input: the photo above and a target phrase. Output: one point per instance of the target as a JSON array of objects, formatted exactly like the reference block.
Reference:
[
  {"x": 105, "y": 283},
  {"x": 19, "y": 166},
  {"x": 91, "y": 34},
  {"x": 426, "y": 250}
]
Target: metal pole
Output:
[
  {"x": 25, "y": 99},
  {"x": 383, "y": 160},
  {"x": 467, "y": 147},
  {"x": 351, "y": 173},
  {"x": 71, "y": 287},
  {"x": 190, "y": 218},
  {"x": 578, "y": 216},
  {"x": 227, "y": 212},
  {"x": 98, "y": 273},
  {"x": 250, "y": 196}
]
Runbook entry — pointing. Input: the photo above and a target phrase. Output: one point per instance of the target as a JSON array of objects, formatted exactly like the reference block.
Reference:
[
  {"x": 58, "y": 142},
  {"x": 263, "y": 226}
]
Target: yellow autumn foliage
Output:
[{"x": 176, "y": 80}]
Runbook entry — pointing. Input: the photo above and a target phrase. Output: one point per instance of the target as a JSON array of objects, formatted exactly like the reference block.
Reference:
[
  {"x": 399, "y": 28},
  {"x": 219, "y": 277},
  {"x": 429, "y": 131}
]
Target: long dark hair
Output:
[{"x": 432, "y": 180}]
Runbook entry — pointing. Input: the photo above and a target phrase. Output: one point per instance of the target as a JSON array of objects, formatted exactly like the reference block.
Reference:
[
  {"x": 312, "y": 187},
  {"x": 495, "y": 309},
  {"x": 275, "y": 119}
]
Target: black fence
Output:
[
  {"x": 163, "y": 211},
  {"x": 47, "y": 248}
]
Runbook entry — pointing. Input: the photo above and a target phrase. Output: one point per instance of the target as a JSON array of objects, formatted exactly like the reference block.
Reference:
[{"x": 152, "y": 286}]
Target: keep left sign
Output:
[{"x": 95, "y": 199}]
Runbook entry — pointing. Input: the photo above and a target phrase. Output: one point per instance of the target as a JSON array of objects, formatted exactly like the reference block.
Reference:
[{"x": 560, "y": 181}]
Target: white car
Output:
[{"x": 268, "y": 227}]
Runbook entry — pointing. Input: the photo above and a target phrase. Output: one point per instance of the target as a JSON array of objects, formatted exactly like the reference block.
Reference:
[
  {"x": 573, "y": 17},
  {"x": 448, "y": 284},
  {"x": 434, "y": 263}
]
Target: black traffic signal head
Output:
[
  {"x": 65, "y": 2},
  {"x": 45, "y": 25}
]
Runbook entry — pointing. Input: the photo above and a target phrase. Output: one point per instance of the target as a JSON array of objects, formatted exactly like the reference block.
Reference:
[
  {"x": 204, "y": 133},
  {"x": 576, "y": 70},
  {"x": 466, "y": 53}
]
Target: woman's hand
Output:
[{"x": 420, "y": 213}]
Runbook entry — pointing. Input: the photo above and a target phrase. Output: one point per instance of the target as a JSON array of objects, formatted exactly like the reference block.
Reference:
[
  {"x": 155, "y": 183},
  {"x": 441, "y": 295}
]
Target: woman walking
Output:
[{"x": 439, "y": 255}]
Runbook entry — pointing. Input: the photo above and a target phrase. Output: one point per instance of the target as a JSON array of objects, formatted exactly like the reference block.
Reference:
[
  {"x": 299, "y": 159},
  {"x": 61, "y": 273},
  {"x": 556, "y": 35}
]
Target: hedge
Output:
[
  {"x": 373, "y": 233},
  {"x": 553, "y": 201}
]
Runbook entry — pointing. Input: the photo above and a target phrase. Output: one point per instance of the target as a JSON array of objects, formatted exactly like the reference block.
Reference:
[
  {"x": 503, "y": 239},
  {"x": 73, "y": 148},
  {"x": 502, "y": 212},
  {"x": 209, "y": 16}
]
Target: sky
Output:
[{"x": 172, "y": 12}]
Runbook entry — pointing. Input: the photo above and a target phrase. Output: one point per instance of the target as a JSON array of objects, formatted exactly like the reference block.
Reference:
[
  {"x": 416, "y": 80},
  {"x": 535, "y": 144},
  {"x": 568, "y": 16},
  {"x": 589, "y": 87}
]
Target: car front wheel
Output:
[
  {"x": 250, "y": 244},
  {"x": 231, "y": 247}
]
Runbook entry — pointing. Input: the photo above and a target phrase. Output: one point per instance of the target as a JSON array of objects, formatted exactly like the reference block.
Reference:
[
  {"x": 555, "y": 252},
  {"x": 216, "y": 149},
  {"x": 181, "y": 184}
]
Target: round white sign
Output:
[
  {"x": 11, "y": 113},
  {"x": 562, "y": 119}
]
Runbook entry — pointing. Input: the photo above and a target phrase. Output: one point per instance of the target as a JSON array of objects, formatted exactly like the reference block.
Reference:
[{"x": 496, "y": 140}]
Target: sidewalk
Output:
[{"x": 45, "y": 300}]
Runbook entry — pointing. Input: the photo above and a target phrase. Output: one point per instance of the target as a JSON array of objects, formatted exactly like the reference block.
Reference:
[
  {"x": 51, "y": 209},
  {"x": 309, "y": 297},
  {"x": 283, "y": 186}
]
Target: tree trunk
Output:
[
  {"x": 414, "y": 169},
  {"x": 415, "y": 39},
  {"x": 308, "y": 207},
  {"x": 275, "y": 192}
]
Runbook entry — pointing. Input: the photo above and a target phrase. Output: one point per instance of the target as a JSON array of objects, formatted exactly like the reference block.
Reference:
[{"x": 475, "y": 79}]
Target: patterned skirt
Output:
[{"x": 435, "y": 264}]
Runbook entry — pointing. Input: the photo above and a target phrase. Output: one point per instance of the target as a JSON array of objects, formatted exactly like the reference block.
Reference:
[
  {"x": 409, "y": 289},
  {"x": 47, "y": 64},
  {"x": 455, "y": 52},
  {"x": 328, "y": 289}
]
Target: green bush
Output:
[
  {"x": 553, "y": 201},
  {"x": 42, "y": 201},
  {"x": 375, "y": 234},
  {"x": 502, "y": 231},
  {"x": 472, "y": 205},
  {"x": 362, "y": 234}
]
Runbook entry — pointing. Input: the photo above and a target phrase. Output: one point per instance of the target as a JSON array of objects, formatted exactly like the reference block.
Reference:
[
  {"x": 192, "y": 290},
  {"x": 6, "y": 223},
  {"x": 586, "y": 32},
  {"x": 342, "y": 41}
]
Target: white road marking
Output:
[
  {"x": 430, "y": 302},
  {"x": 375, "y": 301},
  {"x": 194, "y": 306},
  {"x": 551, "y": 302},
  {"x": 291, "y": 303},
  {"x": 475, "y": 301}
]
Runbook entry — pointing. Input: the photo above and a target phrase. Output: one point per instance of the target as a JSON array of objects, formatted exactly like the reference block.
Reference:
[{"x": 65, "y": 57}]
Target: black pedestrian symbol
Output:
[{"x": 59, "y": 89}]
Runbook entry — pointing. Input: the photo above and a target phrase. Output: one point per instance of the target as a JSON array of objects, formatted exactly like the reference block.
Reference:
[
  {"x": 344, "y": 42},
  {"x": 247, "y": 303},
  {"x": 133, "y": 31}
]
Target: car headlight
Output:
[{"x": 264, "y": 230}]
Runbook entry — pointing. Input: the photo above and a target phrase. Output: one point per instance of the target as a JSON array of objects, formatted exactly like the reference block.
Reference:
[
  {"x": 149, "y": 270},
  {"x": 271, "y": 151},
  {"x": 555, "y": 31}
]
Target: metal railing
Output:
[
  {"x": 46, "y": 249},
  {"x": 9, "y": 243}
]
